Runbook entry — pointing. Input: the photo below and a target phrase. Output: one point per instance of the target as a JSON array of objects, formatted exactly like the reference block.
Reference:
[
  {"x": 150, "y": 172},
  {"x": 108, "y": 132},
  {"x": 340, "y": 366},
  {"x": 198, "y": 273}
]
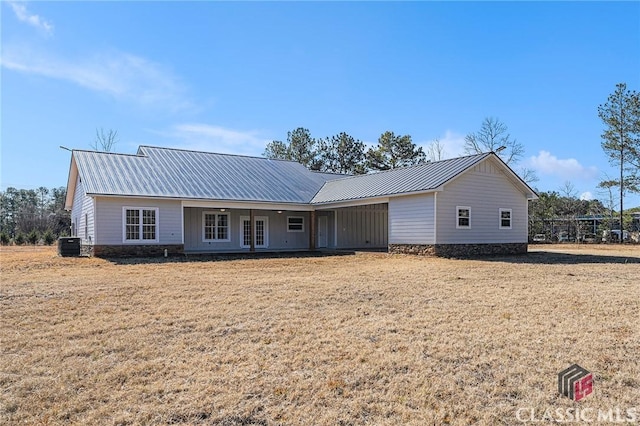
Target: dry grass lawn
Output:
[{"x": 359, "y": 339}]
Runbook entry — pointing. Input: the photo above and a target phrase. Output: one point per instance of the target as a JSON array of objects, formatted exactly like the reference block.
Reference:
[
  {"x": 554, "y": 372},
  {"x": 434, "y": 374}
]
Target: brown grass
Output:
[{"x": 361, "y": 339}]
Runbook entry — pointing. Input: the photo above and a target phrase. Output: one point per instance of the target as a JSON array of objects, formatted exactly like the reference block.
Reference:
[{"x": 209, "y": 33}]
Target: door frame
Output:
[
  {"x": 323, "y": 225},
  {"x": 265, "y": 219}
]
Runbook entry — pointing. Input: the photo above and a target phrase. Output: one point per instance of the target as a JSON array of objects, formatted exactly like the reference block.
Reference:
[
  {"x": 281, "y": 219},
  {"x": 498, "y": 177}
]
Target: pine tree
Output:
[
  {"x": 394, "y": 151},
  {"x": 621, "y": 139}
]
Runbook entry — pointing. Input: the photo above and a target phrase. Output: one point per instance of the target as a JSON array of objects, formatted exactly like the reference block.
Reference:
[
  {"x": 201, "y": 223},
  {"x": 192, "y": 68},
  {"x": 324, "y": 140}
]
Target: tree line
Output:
[
  {"x": 342, "y": 153},
  {"x": 562, "y": 212},
  {"x": 33, "y": 215}
]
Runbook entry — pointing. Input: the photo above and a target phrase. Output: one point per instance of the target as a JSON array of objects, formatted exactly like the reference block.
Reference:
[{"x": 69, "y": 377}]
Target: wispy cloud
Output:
[
  {"x": 452, "y": 142},
  {"x": 587, "y": 195},
  {"x": 547, "y": 164},
  {"x": 36, "y": 21},
  {"x": 207, "y": 137},
  {"x": 118, "y": 74}
]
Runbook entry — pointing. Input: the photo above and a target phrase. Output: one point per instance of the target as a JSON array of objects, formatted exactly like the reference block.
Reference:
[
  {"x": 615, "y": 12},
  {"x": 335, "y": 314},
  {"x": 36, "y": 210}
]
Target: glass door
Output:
[{"x": 260, "y": 232}]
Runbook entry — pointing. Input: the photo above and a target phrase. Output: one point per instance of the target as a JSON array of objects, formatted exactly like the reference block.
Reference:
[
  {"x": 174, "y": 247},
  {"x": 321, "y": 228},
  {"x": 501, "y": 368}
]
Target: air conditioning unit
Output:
[{"x": 69, "y": 246}]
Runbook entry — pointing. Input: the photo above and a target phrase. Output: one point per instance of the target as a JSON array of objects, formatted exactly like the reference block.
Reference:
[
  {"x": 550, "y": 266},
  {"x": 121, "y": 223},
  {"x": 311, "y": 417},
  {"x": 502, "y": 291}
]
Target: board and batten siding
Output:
[
  {"x": 362, "y": 226},
  {"x": 82, "y": 214},
  {"x": 110, "y": 219},
  {"x": 485, "y": 189},
  {"x": 278, "y": 236},
  {"x": 411, "y": 219}
]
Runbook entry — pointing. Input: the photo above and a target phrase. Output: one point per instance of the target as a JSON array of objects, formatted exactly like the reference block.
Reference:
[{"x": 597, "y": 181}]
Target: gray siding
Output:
[
  {"x": 411, "y": 220},
  {"x": 330, "y": 215},
  {"x": 82, "y": 214},
  {"x": 485, "y": 189},
  {"x": 278, "y": 236},
  {"x": 362, "y": 226},
  {"x": 110, "y": 222}
]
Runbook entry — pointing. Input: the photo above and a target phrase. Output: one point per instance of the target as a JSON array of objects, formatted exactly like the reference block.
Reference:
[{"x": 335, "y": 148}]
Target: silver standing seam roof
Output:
[
  {"x": 176, "y": 173},
  {"x": 423, "y": 177}
]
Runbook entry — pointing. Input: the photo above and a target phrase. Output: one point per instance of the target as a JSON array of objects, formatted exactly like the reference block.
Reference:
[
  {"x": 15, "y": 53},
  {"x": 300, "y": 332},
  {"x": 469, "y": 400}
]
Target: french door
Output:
[{"x": 260, "y": 232}]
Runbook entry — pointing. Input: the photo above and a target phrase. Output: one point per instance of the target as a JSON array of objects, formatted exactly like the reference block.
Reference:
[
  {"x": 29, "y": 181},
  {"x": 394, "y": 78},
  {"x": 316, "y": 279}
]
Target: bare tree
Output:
[
  {"x": 528, "y": 175},
  {"x": 435, "y": 151},
  {"x": 492, "y": 137},
  {"x": 104, "y": 141}
]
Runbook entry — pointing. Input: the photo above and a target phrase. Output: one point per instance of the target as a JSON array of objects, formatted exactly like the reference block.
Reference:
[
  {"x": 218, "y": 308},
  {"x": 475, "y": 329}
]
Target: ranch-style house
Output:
[{"x": 184, "y": 202}]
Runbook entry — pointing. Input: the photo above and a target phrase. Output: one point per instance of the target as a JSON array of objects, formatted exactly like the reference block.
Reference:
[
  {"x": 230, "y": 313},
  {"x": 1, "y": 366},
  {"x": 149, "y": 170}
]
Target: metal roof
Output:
[
  {"x": 423, "y": 177},
  {"x": 175, "y": 173}
]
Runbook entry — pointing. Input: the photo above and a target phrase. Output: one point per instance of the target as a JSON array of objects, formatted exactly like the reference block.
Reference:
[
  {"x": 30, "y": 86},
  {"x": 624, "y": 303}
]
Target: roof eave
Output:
[
  {"x": 378, "y": 197},
  {"x": 72, "y": 180}
]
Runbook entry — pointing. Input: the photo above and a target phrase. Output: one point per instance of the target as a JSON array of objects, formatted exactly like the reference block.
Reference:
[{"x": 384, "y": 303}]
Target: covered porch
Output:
[{"x": 212, "y": 227}]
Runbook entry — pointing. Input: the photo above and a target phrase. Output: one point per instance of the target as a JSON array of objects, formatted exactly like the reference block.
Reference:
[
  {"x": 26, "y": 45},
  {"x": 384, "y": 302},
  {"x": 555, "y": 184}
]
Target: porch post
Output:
[
  {"x": 312, "y": 230},
  {"x": 252, "y": 245}
]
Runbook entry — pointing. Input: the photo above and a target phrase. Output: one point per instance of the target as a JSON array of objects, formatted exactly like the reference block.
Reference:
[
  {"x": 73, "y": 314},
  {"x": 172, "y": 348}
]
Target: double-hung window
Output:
[
  {"x": 505, "y": 218},
  {"x": 215, "y": 226},
  {"x": 463, "y": 217},
  {"x": 140, "y": 224},
  {"x": 295, "y": 224}
]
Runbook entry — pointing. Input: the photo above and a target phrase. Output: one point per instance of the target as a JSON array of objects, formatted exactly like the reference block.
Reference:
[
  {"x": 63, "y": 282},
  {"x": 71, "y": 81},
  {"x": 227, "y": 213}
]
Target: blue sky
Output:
[{"x": 230, "y": 77}]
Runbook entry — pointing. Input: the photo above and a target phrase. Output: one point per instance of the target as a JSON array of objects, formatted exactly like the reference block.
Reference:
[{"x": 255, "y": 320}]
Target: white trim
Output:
[
  {"x": 301, "y": 223},
  {"x": 141, "y": 224},
  {"x": 266, "y": 230},
  {"x": 72, "y": 182},
  {"x": 458, "y": 208},
  {"x": 435, "y": 218},
  {"x": 515, "y": 179},
  {"x": 242, "y": 220},
  {"x": 352, "y": 203},
  {"x": 246, "y": 205},
  {"x": 265, "y": 219},
  {"x": 215, "y": 227},
  {"x": 182, "y": 222},
  {"x": 95, "y": 220},
  {"x": 500, "y": 218}
]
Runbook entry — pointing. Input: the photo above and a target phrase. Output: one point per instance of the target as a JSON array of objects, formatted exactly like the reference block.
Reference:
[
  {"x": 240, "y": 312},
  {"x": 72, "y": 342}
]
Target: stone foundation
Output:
[
  {"x": 86, "y": 250},
  {"x": 129, "y": 250},
  {"x": 459, "y": 250}
]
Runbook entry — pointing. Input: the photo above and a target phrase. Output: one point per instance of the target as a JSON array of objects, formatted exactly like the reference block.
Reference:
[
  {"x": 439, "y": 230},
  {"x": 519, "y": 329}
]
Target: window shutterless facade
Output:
[
  {"x": 140, "y": 224},
  {"x": 215, "y": 227},
  {"x": 463, "y": 217},
  {"x": 505, "y": 218},
  {"x": 295, "y": 224}
]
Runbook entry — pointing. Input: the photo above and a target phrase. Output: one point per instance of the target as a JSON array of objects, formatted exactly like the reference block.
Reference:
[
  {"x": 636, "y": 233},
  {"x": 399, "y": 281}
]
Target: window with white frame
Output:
[
  {"x": 140, "y": 224},
  {"x": 215, "y": 226},
  {"x": 463, "y": 217},
  {"x": 505, "y": 218},
  {"x": 295, "y": 224}
]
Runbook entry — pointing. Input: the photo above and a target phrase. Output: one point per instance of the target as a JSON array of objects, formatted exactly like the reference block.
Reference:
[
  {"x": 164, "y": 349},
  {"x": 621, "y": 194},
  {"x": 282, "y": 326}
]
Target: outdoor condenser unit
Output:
[{"x": 69, "y": 246}]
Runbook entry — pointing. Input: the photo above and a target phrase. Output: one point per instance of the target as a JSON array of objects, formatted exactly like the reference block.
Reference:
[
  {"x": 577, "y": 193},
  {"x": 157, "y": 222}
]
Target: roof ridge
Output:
[
  {"x": 91, "y": 151},
  {"x": 480, "y": 155},
  {"x": 197, "y": 151}
]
